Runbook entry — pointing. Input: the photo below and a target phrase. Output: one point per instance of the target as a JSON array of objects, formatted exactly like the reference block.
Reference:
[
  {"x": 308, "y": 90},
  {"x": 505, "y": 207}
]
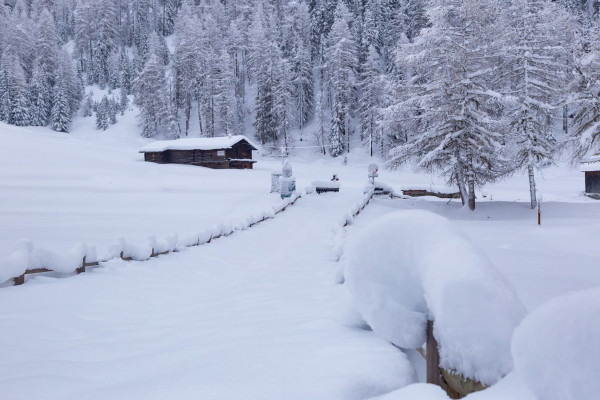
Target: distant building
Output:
[
  {"x": 228, "y": 152},
  {"x": 591, "y": 167}
]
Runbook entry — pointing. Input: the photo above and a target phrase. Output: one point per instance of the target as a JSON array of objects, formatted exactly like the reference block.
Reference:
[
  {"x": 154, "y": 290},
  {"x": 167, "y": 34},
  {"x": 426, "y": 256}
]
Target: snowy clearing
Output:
[{"x": 256, "y": 315}]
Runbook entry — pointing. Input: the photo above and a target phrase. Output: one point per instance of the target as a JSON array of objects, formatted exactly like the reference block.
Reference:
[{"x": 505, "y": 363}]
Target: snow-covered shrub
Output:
[
  {"x": 412, "y": 266},
  {"x": 556, "y": 349}
]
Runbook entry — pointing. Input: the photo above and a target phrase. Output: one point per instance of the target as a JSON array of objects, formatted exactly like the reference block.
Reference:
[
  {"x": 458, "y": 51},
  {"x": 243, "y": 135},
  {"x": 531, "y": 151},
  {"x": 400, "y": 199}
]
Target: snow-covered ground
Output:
[{"x": 257, "y": 315}]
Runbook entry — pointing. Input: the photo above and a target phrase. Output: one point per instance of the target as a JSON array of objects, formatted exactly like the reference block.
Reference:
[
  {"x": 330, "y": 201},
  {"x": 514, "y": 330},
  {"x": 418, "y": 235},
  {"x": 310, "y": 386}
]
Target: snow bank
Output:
[
  {"x": 411, "y": 266},
  {"x": 556, "y": 349}
]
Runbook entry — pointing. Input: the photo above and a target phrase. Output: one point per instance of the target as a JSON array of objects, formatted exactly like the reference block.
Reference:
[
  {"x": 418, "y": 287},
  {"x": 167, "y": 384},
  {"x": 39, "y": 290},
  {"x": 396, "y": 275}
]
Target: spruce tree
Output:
[{"x": 61, "y": 111}]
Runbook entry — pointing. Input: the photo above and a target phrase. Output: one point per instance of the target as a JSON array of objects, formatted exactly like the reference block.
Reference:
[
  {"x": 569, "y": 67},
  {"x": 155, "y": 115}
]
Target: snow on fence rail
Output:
[
  {"x": 348, "y": 219},
  {"x": 411, "y": 273},
  {"x": 27, "y": 260}
]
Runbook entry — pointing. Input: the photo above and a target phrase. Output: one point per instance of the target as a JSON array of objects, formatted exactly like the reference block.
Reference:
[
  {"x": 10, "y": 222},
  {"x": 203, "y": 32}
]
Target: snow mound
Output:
[
  {"x": 556, "y": 349},
  {"x": 411, "y": 266}
]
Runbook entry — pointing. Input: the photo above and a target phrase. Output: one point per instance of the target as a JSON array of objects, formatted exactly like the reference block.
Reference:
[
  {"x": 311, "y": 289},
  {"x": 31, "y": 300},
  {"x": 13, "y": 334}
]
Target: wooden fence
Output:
[{"x": 19, "y": 280}]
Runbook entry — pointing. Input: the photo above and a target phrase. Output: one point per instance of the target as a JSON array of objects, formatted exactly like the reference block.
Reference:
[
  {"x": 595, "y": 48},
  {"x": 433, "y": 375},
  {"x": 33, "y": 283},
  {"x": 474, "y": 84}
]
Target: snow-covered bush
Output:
[
  {"x": 556, "y": 349},
  {"x": 413, "y": 266}
]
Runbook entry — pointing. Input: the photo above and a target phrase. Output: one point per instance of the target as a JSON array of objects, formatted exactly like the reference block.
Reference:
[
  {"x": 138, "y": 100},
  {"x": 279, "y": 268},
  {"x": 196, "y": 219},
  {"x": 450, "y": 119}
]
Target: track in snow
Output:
[{"x": 251, "y": 316}]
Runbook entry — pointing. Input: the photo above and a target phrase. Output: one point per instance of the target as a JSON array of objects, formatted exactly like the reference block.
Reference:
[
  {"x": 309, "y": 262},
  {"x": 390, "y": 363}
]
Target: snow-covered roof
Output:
[
  {"x": 214, "y": 143},
  {"x": 591, "y": 164}
]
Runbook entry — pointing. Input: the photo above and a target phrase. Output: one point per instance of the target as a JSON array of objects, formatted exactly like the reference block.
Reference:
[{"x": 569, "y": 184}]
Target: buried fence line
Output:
[{"x": 20, "y": 279}]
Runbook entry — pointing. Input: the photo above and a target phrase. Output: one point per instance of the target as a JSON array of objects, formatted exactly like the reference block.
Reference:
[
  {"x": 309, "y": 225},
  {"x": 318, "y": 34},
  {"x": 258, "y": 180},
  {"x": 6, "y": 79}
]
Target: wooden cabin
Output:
[
  {"x": 591, "y": 168},
  {"x": 228, "y": 152}
]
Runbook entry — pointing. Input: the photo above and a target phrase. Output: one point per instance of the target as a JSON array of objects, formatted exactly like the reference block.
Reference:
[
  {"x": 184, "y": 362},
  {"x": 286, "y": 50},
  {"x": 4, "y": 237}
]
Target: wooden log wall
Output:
[{"x": 592, "y": 182}]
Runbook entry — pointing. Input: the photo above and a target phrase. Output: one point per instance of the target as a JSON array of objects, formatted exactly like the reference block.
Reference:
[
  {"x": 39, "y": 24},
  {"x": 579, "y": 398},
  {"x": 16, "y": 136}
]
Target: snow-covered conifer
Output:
[{"x": 61, "y": 110}]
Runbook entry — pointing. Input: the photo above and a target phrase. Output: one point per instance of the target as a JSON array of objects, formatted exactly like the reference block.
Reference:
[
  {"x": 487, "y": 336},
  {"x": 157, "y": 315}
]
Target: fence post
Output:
[
  {"x": 82, "y": 268},
  {"x": 433, "y": 358},
  {"x": 19, "y": 280}
]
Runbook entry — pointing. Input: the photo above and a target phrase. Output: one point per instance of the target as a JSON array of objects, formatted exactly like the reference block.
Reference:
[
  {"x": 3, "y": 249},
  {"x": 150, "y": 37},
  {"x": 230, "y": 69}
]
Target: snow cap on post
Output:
[
  {"x": 413, "y": 266},
  {"x": 286, "y": 169}
]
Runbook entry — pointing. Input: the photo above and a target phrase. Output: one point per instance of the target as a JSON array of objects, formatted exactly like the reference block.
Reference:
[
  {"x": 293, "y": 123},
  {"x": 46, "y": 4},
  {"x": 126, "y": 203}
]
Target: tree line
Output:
[{"x": 473, "y": 89}]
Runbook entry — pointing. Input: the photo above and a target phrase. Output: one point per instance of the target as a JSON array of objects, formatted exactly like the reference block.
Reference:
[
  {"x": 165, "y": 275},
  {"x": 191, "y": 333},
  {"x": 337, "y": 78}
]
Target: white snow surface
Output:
[
  {"x": 412, "y": 266},
  {"x": 557, "y": 347},
  {"x": 259, "y": 322},
  {"x": 213, "y": 143},
  {"x": 251, "y": 315}
]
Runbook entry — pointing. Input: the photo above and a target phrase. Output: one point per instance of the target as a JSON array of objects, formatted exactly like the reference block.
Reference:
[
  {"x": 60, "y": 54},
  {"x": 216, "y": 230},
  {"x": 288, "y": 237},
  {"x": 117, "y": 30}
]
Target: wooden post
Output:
[
  {"x": 539, "y": 214},
  {"x": 82, "y": 268},
  {"x": 433, "y": 358},
  {"x": 19, "y": 280}
]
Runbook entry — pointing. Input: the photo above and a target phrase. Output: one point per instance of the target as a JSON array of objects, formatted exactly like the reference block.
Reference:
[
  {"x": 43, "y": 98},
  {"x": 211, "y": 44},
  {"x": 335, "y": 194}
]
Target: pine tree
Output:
[
  {"x": 341, "y": 72},
  {"x": 371, "y": 98},
  {"x": 88, "y": 105},
  {"x": 19, "y": 113},
  {"x": 61, "y": 111},
  {"x": 123, "y": 101},
  {"x": 584, "y": 130},
  {"x": 321, "y": 120},
  {"x": 455, "y": 132},
  {"x": 152, "y": 97},
  {"x": 102, "y": 114},
  {"x": 534, "y": 55},
  {"x": 41, "y": 98}
]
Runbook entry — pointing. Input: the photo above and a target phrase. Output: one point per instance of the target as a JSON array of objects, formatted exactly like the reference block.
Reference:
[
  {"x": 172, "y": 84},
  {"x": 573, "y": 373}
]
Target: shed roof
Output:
[
  {"x": 214, "y": 143},
  {"x": 591, "y": 164}
]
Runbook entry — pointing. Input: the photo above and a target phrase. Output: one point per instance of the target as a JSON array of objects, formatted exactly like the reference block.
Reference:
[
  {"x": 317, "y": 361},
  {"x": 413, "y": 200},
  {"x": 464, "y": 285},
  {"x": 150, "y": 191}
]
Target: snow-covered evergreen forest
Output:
[{"x": 472, "y": 89}]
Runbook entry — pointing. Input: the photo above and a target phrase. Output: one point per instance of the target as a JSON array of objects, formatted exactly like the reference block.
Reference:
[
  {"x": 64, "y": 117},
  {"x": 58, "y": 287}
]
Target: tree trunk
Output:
[
  {"x": 461, "y": 185},
  {"x": 188, "y": 107},
  {"x": 471, "y": 194},
  {"x": 532, "y": 190}
]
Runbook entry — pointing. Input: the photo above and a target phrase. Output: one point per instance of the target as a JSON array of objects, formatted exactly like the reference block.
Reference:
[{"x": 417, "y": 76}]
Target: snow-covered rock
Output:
[
  {"x": 411, "y": 266},
  {"x": 556, "y": 349}
]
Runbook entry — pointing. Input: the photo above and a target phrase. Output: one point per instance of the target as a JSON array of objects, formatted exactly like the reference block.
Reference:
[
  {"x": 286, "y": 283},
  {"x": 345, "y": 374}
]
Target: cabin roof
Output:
[
  {"x": 214, "y": 143},
  {"x": 591, "y": 164}
]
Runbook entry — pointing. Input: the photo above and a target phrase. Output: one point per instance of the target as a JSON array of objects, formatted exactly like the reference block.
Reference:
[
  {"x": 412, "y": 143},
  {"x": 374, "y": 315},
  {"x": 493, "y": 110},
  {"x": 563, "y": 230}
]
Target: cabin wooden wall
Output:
[
  {"x": 157, "y": 157},
  {"x": 592, "y": 182},
  {"x": 207, "y": 158}
]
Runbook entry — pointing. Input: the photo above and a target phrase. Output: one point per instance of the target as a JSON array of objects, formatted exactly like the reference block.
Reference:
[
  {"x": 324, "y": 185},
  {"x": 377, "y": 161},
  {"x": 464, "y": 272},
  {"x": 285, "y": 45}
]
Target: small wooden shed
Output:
[
  {"x": 591, "y": 167},
  {"x": 228, "y": 152}
]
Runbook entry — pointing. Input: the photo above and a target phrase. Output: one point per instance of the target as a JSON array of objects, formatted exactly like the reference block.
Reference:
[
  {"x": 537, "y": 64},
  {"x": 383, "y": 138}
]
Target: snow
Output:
[
  {"x": 326, "y": 184},
  {"x": 257, "y": 314},
  {"x": 214, "y": 143},
  {"x": 412, "y": 266},
  {"x": 557, "y": 347},
  {"x": 416, "y": 391},
  {"x": 591, "y": 164}
]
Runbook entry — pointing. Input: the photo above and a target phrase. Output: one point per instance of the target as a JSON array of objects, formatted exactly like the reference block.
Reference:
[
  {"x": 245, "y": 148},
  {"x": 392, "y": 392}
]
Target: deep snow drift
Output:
[{"x": 434, "y": 273}]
